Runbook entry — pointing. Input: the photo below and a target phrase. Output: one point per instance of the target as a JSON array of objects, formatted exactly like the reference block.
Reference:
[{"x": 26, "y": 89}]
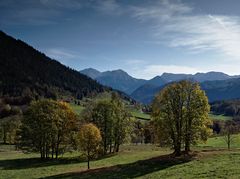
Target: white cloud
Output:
[
  {"x": 135, "y": 62},
  {"x": 163, "y": 10},
  {"x": 109, "y": 7},
  {"x": 177, "y": 26},
  {"x": 60, "y": 54}
]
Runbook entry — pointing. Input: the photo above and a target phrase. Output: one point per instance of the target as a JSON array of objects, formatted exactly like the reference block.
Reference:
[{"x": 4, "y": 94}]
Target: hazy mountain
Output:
[
  {"x": 116, "y": 79},
  {"x": 215, "y": 90},
  {"x": 146, "y": 93},
  {"x": 157, "y": 81},
  {"x": 222, "y": 90},
  {"x": 92, "y": 73},
  {"x": 26, "y": 71},
  {"x": 200, "y": 77},
  {"x": 144, "y": 90},
  {"x": 211, "y": 76},
  {"x": 169, "y": 77}
]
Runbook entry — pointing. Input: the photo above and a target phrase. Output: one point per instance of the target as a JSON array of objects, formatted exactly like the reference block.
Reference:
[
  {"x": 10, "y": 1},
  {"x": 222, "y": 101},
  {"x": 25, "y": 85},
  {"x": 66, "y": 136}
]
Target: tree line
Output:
[{"x": 179, "y": 119}]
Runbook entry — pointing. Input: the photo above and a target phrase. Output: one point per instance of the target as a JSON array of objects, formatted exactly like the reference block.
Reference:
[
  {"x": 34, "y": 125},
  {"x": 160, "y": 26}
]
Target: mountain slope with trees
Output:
[{"x": 25, "y": 71}]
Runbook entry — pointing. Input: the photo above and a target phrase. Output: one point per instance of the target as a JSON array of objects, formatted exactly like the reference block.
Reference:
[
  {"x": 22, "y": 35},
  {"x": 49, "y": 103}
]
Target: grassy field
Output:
[
  {"x": 133, "y": 161},
  {"x": 219, "y": 117},
  {"x": 76, "y": 108},
  {"x": 140, "y": 115},
  {"x": 15, "y": 164},
  {"x": 219, "y": 142}
]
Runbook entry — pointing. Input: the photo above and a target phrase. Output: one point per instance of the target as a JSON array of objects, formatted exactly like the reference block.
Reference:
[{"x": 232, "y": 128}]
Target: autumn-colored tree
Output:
[
  {"x": 47, "y": 125},
  {"x": 122, "y": 122},
  {"x": 180, "y": 111},
  {"x": 64, "y": 127},
  {"x": 10, "y": 121},
  {"x": 9, "y": 127},
  {"x": 113, "y": 121},
  {"x": 88, "y": 140}
]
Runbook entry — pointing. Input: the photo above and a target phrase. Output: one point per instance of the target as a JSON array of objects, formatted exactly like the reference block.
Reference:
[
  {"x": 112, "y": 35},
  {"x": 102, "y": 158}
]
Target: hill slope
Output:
[{"x": 26, "y": 70}]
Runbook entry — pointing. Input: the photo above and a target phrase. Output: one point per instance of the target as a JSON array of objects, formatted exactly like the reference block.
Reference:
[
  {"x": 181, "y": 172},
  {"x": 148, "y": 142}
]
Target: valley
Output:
[{"x": 69, "y": 107}]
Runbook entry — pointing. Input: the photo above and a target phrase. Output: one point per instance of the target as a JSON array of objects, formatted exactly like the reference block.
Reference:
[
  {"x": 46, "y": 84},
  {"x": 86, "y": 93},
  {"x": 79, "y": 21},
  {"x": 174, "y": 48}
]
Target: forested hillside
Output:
[{"x": 25, "y": 71}]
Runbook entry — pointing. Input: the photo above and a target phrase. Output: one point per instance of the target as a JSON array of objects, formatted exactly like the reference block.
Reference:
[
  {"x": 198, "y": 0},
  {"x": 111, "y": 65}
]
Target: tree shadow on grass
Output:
[
  {"x": 35, "y": 163},
  {"x": 24, "y": 163},
  {"x": 130, "y": 170}
]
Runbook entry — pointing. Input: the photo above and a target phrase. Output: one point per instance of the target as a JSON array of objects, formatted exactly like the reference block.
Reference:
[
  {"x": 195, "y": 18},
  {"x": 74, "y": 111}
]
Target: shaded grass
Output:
[
  {"x": 130, "y": 170},
  {"x": 219, "y": 117},
  {"x": 18, "y": 165}
]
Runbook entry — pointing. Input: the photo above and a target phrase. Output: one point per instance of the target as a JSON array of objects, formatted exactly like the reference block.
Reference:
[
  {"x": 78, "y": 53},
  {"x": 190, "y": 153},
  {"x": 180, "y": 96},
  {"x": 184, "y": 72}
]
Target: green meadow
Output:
[{"x": 210, "y": 159}]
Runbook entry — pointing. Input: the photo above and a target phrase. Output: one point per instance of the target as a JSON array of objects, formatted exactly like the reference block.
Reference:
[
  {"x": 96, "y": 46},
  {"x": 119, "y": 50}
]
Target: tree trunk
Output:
[
  {"x": 177, "y": 149},
  {"x": 88, "y": 160},
  {"x": 187, "y": 147},
  {"x": 88, "y": 164},
  {"x": 41, "y": 151},
  {"x": 117, "y": 149},
  {"x": 56, "y": 151},
  {"x": 228, "y": 141},
  {"x": 110, "y": 150},
  {"x": 4, "y": 136},
  {"x": 187, "y": 143},
  {"x": 52, "y": 151},
  {"x": 105, "y": 145}
]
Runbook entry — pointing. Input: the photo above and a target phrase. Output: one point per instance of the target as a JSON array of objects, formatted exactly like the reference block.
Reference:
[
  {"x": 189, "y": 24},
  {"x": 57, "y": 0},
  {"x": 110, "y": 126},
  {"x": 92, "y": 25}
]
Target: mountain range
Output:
[
  {"x": 217, "y": 85},
  {"x": 24, "y": 71}
]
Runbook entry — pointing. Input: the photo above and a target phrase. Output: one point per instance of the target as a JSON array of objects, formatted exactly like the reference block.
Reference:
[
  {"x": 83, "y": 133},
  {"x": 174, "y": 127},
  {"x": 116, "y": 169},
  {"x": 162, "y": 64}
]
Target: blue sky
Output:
[{"x": 143, "y": 37}]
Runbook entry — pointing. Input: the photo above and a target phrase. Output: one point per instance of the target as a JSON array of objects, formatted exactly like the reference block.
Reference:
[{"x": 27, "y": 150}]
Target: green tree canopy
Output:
[
  {"x": 47, "y": 127},
  {"x": 180, "y": 111},
  {"x": 113, "y": 120}
]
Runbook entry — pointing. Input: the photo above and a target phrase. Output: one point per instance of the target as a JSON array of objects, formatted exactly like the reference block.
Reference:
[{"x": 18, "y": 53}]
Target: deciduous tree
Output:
[
  {"x": 89, "y": 138},
  {"x": 46, "y": 126},
  {"x": 181, "y": 114}
]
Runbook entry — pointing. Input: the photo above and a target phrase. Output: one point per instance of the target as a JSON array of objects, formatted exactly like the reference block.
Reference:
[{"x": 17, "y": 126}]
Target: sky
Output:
[{"x": 143, "y": 37}]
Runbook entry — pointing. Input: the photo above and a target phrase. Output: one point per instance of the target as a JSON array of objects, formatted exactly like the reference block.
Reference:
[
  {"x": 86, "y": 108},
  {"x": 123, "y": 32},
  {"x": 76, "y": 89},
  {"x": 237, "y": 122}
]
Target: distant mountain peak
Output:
[
  {"x": 91, "y": 72},
  {"x": 116, "y": 79}
]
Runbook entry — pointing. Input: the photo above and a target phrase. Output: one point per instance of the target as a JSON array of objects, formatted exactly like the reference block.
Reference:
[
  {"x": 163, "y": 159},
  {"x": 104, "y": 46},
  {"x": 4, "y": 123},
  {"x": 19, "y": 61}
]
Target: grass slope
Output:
[
  {"x": 15, "y": 164},
  {"x": 142, "y": 161},
  {"x": 77, "y": 108},
  {"x": 219, "y": 142},
  {"x": 219, "y": 117}
]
